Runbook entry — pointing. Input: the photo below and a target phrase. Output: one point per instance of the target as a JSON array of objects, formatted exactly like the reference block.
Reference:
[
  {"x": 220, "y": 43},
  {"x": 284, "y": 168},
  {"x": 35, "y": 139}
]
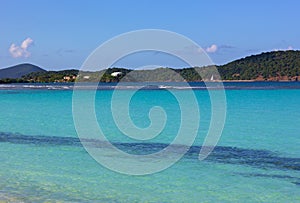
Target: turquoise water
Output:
[{"x": 257, "y": 158}]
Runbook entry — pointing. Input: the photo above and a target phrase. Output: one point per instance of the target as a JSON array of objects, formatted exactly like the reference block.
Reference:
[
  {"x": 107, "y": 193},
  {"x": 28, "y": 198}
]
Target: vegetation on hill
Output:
[
  {"x": 271, "y": 66},
  {"x": 71, "y": 75},
  {"x": 50, "y": 76},
  {"x": 276, "y": 65}
]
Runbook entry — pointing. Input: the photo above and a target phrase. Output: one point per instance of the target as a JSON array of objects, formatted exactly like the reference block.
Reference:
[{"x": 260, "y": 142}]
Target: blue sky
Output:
[{"x": 61, "y": 34}]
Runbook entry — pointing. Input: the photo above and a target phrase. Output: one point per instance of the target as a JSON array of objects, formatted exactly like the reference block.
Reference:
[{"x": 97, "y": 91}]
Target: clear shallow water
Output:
[{"x": 257, "y": 158}]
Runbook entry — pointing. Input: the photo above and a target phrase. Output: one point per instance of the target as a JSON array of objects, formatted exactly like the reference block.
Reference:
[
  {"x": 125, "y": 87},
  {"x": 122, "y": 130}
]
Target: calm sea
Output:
[{"x": 257, "y": 158}]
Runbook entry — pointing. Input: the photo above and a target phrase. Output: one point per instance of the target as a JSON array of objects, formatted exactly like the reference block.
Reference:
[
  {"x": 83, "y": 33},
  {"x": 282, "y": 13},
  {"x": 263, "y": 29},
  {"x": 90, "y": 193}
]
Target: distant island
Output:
[{"x": 270, "y": 66}]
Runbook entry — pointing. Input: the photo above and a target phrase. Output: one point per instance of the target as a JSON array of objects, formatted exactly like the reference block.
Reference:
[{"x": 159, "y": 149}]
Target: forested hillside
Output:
[{"x": 277, "y": 65}]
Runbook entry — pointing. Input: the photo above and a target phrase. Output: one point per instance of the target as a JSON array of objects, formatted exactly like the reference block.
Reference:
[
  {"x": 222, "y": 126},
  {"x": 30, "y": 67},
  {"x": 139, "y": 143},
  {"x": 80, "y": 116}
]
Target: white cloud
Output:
[
  {"x": 15, "y": 51},
  {"x": 26, "y": 43},
  {"x": 212, "y": 49},
  {"x": 290, "y": 48},
  {"x": 21, "y": 51}
]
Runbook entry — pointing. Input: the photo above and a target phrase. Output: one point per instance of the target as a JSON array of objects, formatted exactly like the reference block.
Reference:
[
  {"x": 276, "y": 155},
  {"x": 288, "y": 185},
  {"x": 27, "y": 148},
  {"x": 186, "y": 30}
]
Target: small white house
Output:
[
  {"x": 67, "y": 78},
  {"x": 86, "y": 77},
  {"x": 115, "y": 74}
]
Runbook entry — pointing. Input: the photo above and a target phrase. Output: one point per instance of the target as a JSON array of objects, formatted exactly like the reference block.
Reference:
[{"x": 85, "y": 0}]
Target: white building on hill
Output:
[{"x": 115, "y": 74}]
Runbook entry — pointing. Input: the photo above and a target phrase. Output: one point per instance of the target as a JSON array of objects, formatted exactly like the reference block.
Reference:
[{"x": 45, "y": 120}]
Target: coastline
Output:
[
  {"x": 238, "y": 84},
  {"x": 90, "y": 82}
]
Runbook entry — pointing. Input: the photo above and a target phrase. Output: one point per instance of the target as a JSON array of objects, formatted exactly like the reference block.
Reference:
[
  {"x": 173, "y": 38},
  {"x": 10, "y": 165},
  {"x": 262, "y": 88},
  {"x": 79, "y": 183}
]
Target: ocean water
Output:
[{"x": 257, "y": 158}]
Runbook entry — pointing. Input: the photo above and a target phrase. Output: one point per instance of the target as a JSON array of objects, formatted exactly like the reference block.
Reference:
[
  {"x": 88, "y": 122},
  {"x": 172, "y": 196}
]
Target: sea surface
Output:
[{"x": 257, "y": 158}]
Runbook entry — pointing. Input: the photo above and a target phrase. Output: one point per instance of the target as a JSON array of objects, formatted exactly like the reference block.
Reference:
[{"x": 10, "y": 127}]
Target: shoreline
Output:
[
  {"x": 204, "y": 81},
  {"x": 241, "y": 84}
]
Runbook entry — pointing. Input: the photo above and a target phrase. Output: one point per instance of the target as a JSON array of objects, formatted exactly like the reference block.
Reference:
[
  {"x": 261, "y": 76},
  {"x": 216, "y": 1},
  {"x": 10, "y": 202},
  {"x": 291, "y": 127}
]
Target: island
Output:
[{"x": 269, "y": 66}]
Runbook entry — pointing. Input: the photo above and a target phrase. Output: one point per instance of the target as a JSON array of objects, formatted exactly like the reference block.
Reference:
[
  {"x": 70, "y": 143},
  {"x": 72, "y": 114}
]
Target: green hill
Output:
[
  {"x": 20, "y": 70},
  {"x": 276, "y": 65}
]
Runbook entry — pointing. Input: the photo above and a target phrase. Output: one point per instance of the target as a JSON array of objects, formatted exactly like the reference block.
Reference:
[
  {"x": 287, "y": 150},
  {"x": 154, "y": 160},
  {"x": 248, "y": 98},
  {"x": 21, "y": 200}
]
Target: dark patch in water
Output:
[
  {"x": 228, "y": 155},
  {"x": 292, "y": 179},
  {"x": 256, "y": 158},
  {"x": 296, "y": 183},
  {"x": 38, "y": 140}
]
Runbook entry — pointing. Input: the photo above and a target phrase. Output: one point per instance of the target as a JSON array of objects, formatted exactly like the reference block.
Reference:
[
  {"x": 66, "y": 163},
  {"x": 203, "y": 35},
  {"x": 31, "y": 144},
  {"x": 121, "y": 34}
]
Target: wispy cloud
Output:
[
  {"x": 212, "y": 49},
  {"x": 21, "y": 51},
  {"x": 226, "y": 46},
  {"x": 70, "y": 51},
  {"x": 189, "y": 50},
  {"x": 62, "y": 51},
  {"x": 285, "y": 49}
]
